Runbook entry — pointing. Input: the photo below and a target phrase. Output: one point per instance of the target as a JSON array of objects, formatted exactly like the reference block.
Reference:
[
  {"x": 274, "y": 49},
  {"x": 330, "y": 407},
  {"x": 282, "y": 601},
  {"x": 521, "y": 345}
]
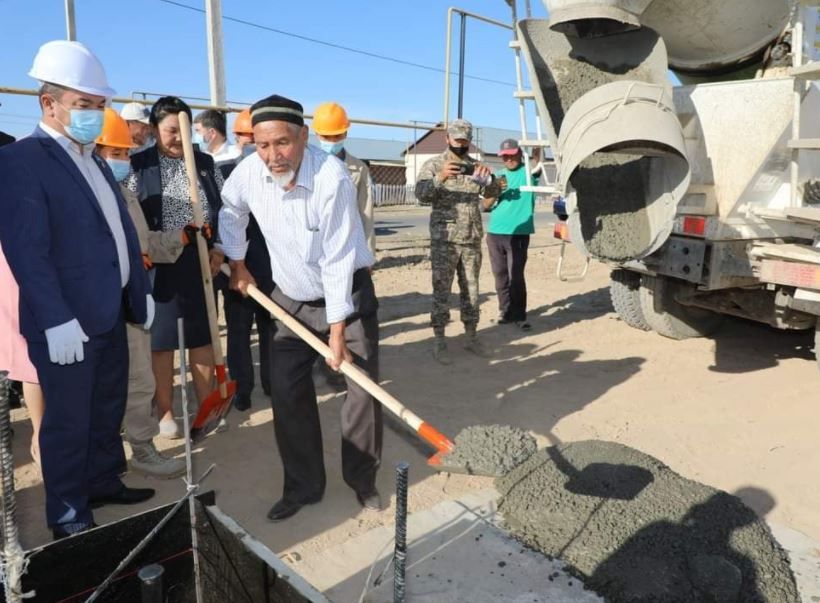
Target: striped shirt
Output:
[{"x": 313, "y": 233}]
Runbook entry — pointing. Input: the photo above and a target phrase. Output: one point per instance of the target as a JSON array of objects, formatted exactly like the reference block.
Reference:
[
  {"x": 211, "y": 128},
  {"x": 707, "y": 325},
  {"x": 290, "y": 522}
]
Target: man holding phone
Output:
[
  {"x": 508, "y": 235},
  {"x": 453, "y": 183}
]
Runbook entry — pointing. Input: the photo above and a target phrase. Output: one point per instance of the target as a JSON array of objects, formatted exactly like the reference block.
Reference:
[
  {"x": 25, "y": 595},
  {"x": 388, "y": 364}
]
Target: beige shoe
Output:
[
  {"x": 149, "y": 461},
  {"x": 440, "y": 352},
  {"x": 475, "y": 346}
]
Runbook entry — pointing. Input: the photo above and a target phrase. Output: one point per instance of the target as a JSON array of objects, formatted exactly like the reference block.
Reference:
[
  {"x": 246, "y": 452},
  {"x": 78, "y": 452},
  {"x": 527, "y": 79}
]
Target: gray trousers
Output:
[
  {"x": 293, "y": 396},
  {"x": 140, "y": 423}
]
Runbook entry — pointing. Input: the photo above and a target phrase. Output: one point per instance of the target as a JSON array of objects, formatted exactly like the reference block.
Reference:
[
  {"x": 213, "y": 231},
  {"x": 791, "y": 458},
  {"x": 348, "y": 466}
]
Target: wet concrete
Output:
[
  {"x": 567, "y": 68},
  {"x": 574, "y": 77},
  {"x": 490, "y": 449},
  {"x": 634, "y": 530},
  {"x": 612, "y": 204},
  {"x": 611, "y": 189}
]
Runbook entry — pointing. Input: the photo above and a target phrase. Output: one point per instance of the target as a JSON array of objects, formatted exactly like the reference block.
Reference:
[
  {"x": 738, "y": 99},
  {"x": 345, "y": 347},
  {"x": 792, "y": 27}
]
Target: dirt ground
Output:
[{"x": 735, "y": 410}]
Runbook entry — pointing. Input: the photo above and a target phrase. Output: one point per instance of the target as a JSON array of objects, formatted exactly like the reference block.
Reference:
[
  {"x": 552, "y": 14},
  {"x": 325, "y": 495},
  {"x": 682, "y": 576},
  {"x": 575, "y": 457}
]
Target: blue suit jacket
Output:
[{"x": 58, "y": 244}]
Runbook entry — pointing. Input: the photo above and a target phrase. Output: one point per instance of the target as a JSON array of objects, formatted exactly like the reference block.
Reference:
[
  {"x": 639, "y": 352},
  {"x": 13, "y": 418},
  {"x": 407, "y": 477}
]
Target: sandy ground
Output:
[{"x": 736, "y": 410}]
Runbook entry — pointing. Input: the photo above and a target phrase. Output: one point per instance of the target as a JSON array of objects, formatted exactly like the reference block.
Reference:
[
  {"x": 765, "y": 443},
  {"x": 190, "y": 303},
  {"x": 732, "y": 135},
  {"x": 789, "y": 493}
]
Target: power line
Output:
[
  {"x": 339, "y": 46},
  {"x": 19, "y": 116}
]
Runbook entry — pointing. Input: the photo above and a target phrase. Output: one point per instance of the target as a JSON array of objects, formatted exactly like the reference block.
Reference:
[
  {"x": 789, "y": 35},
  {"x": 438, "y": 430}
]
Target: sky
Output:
[{"x": 159, "y": 46}]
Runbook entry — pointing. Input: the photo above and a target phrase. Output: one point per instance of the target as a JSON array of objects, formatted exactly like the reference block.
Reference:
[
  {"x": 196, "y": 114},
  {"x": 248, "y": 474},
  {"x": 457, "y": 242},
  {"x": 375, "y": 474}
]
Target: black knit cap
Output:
[{"x": 277, "y": 108}]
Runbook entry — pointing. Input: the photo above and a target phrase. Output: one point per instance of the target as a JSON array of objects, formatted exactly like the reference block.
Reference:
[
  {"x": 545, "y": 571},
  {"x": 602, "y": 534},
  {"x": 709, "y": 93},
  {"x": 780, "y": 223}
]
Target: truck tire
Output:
[
  {"x": 669, "y": 318},
  {"x": 817, "y": 343},
  {"x": 624, "y": 290}
]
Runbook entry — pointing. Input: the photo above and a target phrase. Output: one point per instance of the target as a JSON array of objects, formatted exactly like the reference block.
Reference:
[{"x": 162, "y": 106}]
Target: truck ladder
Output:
[{"x": 523, "y": 95}]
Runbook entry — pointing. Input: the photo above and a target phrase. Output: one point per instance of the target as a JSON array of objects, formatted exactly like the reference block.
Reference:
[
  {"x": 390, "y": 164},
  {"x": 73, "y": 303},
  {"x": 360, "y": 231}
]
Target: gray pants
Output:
[
  {"x": 141, "y": 424},
  {"x": 293, "y": 396}
]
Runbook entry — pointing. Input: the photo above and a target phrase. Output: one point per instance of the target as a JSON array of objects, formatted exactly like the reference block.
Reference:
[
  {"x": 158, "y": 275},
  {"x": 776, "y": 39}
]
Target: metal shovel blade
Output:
[{"x": 212, "y": 410}]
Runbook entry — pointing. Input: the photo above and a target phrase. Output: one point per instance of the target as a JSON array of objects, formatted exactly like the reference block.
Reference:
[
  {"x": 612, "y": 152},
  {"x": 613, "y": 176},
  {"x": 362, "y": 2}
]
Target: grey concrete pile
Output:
[
  {"x": 490, "y": 449},
  {"x": 634, "y": 530}
]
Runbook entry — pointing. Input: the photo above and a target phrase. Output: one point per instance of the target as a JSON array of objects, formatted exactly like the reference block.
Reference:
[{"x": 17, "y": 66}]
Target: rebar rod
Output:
[
  {"x": 13, "y": 560},
  {"x": 400, "y": 551}
]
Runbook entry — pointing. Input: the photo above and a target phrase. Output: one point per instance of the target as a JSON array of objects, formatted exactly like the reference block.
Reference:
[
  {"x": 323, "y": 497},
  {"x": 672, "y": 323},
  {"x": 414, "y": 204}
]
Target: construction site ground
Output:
[{"x": 734, "y": 410}]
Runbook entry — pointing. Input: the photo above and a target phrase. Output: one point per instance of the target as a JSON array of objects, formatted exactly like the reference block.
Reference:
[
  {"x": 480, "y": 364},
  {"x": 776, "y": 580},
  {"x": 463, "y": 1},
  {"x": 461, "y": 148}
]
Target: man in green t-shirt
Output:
[{"x": 508, "y": 235}]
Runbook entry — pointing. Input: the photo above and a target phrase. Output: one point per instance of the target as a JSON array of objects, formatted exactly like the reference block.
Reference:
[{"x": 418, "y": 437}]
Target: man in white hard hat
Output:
[
  {"x": 136, "y": 115},
  {"x": 74, "y": 252}
]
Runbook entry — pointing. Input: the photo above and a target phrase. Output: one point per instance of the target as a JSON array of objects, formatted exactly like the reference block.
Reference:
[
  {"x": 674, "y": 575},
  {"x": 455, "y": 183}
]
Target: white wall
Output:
[
  {"x": 413, "y": 163},
  {"x": 413, "y": 169}
]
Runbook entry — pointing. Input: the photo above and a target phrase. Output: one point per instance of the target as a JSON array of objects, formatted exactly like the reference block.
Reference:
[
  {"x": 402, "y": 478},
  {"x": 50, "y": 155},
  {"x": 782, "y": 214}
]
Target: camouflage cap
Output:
[{"x": 460, "y": 128}]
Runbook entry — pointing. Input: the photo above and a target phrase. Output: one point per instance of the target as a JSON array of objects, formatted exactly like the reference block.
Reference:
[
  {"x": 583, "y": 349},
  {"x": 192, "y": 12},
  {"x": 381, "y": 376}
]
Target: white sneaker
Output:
[
  {"x": 169, "y": 429},
  {"x": 149, "y": 461}
]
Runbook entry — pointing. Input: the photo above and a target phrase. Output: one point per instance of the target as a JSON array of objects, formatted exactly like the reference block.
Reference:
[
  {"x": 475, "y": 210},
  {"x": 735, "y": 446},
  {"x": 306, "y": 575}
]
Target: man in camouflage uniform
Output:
[{"x": 455, "y": 232}]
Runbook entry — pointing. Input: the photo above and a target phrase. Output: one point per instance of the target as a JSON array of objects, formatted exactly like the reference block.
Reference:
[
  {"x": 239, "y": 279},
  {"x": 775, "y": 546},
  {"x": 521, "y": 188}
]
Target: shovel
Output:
[
  {"x": 217, "y": 404},
  {"x": 425, "y": 431}
]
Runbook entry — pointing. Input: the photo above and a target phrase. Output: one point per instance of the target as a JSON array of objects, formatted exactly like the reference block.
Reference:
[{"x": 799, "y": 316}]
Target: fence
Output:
[{"x": 393, "y": 194}]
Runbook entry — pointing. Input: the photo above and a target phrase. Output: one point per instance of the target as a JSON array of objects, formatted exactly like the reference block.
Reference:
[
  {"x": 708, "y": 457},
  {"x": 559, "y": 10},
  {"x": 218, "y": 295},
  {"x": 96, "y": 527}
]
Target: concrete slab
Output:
[
  {"x": 804, "y": 555},
  {"x": 456, "y": 552}
]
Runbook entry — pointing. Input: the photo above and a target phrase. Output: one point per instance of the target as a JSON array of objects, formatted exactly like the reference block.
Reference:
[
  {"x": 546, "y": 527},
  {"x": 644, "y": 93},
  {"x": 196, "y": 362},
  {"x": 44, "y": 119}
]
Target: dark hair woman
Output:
[{"x": 159, "y": 178}]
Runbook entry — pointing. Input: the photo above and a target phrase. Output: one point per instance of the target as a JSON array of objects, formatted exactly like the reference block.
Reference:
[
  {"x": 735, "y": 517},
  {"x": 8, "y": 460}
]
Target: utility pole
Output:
[
  {"x": 71, "y": 30},
  {"x": 462, "y": 47},
  {"x": 216, "y": 65}
]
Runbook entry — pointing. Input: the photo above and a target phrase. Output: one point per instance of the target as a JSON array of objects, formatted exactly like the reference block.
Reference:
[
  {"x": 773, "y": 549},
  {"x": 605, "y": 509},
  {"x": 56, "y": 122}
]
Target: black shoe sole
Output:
[
  {"x": 363, "y": 501},
  {"x": 60, "y": 534},
  {"x": 102, "y": 502},
  {"x": 292, "y": 511}
]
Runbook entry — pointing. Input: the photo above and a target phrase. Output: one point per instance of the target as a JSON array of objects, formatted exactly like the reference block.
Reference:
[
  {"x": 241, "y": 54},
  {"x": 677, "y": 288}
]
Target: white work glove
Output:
[
  {"x": 149, "y": 311},
  {"x": 65, "y": 342}
]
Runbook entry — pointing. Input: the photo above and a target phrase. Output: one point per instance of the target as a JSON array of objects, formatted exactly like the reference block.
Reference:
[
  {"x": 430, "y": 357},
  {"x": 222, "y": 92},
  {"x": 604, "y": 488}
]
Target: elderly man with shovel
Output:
[{"x": 305, "y": 205}]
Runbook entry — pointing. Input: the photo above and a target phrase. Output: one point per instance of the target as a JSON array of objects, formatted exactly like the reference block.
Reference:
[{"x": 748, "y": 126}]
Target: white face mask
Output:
[{"x": 149, "y": 142}]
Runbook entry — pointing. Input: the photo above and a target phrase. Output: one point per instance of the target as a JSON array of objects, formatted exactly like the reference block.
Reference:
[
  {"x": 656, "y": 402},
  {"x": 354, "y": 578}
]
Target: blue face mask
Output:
[
  {"x": 197, "y": 138},
  {"x": 333, "y": 148},
  {"x": 85, "y": 124},
  {"x": 248, "y": 149},
  {"x": 120, "y": 167}
]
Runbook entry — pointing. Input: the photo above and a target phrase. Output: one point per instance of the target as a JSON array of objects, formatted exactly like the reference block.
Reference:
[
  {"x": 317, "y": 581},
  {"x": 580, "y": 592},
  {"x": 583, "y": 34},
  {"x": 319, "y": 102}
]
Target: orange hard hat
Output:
[
  {"x": 330, "y": 119},
  {"x": 115, "y": 132},
  {"x": 243, "y": 124}
]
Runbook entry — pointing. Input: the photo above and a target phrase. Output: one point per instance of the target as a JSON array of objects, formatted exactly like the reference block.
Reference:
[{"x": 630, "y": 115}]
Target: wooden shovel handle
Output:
[
  {"x": 425, "y": 430},
  {"x": 202, "y": 248}
]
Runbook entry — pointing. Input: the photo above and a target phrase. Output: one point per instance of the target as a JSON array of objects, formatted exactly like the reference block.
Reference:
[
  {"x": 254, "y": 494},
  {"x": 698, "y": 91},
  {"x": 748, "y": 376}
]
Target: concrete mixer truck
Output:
[{"x": 704, "y": 197}]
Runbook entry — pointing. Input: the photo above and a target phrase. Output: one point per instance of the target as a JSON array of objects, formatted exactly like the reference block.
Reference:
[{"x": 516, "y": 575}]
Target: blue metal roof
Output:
[
  {"x": 489, "y": 139},
  {"x": 372, "y": 149}
]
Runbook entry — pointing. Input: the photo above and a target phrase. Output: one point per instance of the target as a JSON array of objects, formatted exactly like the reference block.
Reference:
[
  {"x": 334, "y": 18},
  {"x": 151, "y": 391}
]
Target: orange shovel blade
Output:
[{"x": 212, "y": 410}]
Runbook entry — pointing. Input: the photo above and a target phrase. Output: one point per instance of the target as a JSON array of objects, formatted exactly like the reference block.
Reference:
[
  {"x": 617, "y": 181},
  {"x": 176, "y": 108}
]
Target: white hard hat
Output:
[
  {"x": 71, "y": 65},
  {"x": 135, "y": 112}
]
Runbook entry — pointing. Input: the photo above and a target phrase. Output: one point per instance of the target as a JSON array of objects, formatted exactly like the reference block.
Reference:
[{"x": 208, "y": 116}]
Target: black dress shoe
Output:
[
  {"x": 241, "y": 401},
  {"x": 284, "y": 508},
  {"x": 126, "y": 496},
  {"x": 60, "y": 533},
  {"x": 370, "y": 500}
]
